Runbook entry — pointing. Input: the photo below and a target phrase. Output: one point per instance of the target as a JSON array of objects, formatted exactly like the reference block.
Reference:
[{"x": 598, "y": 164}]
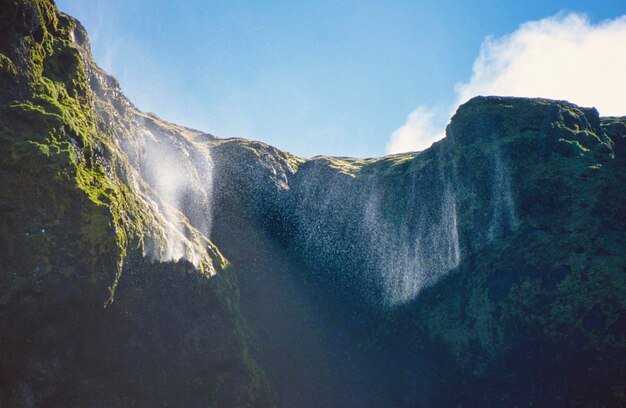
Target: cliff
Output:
[
  {"x": 149, "y": 264},
  {"x": 493, "y": 261},
  {"x": 97, "y": 308}
]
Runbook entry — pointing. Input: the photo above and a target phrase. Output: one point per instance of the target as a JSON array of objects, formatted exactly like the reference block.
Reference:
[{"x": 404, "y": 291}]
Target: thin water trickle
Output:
[{"x": 503, "y": 216}]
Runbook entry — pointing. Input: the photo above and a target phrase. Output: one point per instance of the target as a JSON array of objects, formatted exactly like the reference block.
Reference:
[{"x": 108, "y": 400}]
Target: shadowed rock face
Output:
[
  {"x": 491, "y": 262},
  {"x": 148, "y": 264}
]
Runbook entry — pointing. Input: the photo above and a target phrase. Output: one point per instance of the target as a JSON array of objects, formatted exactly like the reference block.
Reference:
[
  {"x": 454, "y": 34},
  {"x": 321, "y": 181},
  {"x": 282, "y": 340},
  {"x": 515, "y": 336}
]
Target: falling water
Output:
[
  {"x": 174, "y": 177},
  {"x": 397, "y": 234},
  {"x": 424, "y": 246},
  {"x": 503, "y": 216},
  {"x": 394, "y": 236}
]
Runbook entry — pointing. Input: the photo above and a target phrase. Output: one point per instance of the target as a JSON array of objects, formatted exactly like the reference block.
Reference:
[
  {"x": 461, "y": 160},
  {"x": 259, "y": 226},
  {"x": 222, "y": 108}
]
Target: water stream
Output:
[{"x": 174, "y": 177}]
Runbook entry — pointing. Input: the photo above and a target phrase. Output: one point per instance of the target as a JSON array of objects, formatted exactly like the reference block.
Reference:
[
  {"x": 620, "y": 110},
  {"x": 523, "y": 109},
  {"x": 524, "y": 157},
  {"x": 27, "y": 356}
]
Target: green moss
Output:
[
  {"x": 7, "y": 66},
  {"x": 550, "y": 292},
  {"x": 58, "y": 120},
  {"x": 71, "y": 220}
]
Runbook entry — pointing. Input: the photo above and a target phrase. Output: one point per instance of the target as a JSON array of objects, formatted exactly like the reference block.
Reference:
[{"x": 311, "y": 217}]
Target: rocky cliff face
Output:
[
  {"x": 107, "y": 297},
  {"x": 499, "y": 250},
  {"x": 148, "y": 264}
]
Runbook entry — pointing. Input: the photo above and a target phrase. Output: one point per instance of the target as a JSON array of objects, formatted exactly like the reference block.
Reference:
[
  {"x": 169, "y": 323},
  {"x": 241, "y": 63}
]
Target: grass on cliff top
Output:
[
  {"x": 369, "y": 166},
  {"x": 346, "y": 165}
]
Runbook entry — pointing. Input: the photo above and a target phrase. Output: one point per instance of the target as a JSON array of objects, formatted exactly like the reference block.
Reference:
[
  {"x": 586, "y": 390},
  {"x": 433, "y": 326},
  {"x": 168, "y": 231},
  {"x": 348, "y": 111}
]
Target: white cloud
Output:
[
  {"x": 560, "y": 57},
  {"x": 421, "y": 129}
]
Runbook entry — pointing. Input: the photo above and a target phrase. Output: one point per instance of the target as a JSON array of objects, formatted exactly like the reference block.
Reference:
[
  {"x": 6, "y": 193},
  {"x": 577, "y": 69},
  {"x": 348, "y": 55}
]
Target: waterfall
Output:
[
  {"x": 424, "y": 245},
  {"x": 173, "y": 175},
  {"x": 503, "y": 215},
  {"x": 384, "y": 237}
]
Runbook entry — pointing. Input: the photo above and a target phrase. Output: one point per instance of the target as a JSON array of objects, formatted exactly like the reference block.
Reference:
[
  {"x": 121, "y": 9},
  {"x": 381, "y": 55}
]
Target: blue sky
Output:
[{"x": 322, "y": 77}]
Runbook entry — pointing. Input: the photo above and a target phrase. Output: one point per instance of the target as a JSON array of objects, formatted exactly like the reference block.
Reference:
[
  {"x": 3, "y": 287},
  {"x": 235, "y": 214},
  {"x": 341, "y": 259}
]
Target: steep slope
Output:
[
  {"x": 488, "y": 270},
  {"x": 95, "y": 307},
  {"x": 505, "y": 239},
  {"x": 536, "y": 316}
]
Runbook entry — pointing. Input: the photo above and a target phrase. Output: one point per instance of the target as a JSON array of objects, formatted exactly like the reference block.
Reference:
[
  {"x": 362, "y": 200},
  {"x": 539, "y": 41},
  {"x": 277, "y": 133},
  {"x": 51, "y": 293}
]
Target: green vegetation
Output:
[
  {"x": 55, "y": 125},
  {"x": 552, "y": 292},
  {"x": 71, "y": 222}
]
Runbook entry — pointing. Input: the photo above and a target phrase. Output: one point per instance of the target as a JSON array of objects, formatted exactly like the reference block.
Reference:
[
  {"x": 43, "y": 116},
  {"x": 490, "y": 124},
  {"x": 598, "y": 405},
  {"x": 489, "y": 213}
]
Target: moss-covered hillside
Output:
[
  {"x": 90, "y": 315},
  {"x": 537, "y": 316}
]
